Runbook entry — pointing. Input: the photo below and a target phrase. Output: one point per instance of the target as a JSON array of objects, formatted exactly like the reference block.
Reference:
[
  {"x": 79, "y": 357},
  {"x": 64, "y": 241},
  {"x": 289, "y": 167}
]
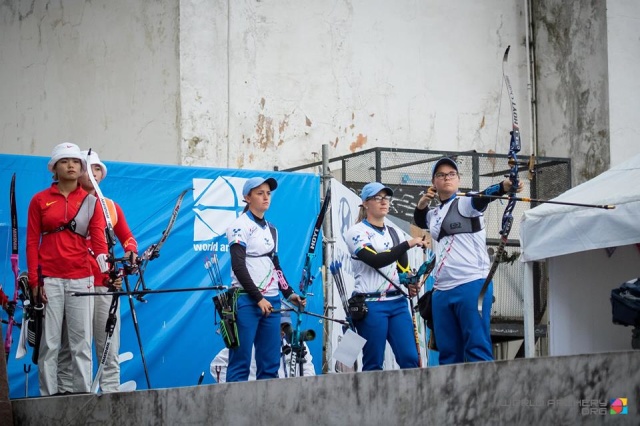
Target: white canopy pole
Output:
[{"x": 529, "y": 320}]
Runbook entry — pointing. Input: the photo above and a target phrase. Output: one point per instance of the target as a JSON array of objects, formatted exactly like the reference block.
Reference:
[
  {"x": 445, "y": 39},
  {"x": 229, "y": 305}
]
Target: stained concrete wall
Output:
[
  {"x": 355, "y": 74},
  {"x": 572, "y": 84},
  {"x": 543, "y": 391},
  {"x": 254, "y": 84},
  {"x": 588, "y": 93}
]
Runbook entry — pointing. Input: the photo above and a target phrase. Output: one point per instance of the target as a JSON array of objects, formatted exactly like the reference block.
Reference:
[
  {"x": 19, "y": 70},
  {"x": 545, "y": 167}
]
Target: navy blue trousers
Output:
[
  {"x": 462, "y": 335},
  {"x": 261, "y": 331},
  {"x": 388, "y": 320}
]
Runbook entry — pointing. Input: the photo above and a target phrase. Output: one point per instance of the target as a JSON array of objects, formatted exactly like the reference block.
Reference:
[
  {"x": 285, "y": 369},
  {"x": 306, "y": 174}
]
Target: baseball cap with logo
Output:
[
  {"x": 255, "y": 182},
  {"x": 371, "y": 189},
  {"x": 443, "y": 160},
  {"x": 66, "y": 150},
  {"x": 94, "y": 159}
]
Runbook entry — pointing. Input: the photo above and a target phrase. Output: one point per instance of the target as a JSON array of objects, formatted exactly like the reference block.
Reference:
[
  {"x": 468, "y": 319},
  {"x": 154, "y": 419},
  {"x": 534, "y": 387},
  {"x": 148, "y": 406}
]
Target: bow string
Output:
[{"x": 512, "y": 156}]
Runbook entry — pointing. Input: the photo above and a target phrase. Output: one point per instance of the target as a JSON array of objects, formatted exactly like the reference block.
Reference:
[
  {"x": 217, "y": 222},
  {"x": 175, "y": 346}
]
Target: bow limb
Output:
[
  {"x": 154, "y": 249},
  {"x": 8, "y": 341},
  {"x": 507, "y": 216}
]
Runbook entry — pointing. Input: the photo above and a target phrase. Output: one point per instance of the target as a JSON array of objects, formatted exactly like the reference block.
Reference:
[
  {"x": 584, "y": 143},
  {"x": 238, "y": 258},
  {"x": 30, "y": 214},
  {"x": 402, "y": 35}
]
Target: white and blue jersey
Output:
[
  {"x": 363, "y": 236},
  {"x": 260, "y": 247},
  {"x": 461, "y": 257}
]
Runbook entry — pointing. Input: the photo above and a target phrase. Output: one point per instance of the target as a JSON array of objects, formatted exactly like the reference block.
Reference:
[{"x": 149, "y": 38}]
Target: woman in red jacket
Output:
[{"x": 59, "y": 220}]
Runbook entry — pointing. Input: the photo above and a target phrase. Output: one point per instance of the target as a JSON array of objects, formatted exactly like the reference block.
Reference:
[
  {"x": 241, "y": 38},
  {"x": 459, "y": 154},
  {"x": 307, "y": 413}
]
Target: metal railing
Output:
[{"x": 408, "y": 173}]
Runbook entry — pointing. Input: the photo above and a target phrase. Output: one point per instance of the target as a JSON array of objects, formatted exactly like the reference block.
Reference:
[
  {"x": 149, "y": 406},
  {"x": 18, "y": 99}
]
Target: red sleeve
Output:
[
  {"x": 97, "y": 226},
  {"x": 34, "y": 228},
  {"x": 4, "y": 299},
  {"x": 123, "y": 232}
]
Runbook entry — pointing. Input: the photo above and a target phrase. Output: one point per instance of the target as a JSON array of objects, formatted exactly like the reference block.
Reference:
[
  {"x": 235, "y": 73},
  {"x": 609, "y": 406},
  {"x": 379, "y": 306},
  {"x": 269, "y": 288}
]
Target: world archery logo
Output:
[
  {"x": 618, "y": 406},
  {"x": 217, "y": 203}
]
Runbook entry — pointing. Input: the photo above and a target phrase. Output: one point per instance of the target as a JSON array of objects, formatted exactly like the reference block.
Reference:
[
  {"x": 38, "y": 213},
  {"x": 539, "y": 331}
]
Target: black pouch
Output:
[
  {"x": 225, "y": 304},
  {"x": 34, "y": 331},
  {"x": 358, "y": 307},
  {"x": 35, "y": 318},
  {"x": 625, "y": 304},
  {"x": 424, "y": 307},
  {"x": 229, "y": 331}
]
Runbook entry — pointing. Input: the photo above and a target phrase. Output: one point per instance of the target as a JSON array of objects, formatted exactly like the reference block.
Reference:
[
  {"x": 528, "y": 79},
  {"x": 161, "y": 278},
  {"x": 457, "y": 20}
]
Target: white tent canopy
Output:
[
  {"x": 552, "y": 230},
  {"x": 581, "y": 272}
]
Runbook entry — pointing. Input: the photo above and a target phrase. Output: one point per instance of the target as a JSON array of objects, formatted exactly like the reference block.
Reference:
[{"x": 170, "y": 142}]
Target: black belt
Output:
[{"x": 391, "y": 293}]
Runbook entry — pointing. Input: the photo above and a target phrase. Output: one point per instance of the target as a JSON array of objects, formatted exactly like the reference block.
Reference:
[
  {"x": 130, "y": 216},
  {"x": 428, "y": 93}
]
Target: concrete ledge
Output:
[{"x": 540, "y": 391}]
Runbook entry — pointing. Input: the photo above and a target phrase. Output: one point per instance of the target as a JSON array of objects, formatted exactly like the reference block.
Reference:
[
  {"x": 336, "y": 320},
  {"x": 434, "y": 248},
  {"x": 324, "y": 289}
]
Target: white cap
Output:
[
  {"x": 94, "y": 159},
  {"x": 66, "y": 150}
]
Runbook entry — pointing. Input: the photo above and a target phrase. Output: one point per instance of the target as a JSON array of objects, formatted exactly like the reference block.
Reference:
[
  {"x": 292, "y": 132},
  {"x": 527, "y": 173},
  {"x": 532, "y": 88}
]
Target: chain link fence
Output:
[{"x": 408, "y": 173}]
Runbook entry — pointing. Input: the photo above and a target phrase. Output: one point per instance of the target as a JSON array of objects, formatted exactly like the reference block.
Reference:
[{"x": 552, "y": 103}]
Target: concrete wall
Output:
[
  {"x": 360, "y": 74},
  {"x": 624, "y": 86},
  {"x": 255, "y": 84},
  {"x": 543, "y": 391},
  {"x": 104, "y": 74},
  {"x": 572, "y": 84},
  {"x": 204, "y": 83}
]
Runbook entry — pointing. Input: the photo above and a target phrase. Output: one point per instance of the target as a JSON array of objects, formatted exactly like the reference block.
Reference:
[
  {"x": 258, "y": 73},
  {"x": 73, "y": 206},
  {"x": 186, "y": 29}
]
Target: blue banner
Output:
[{"x": 177, "y": 330}]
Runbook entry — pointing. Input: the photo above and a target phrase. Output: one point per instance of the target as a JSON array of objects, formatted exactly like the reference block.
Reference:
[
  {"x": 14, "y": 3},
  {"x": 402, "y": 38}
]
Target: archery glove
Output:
[{"x": 102, "y": 263}]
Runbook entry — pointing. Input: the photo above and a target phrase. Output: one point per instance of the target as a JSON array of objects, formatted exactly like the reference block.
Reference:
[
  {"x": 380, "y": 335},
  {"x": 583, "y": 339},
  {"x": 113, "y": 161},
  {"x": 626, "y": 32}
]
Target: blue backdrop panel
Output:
[{"x": 177, "y": 329}]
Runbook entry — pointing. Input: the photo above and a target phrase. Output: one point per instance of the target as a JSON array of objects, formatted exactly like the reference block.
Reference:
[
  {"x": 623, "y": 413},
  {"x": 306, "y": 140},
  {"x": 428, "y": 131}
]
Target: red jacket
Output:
[
  {"x": 124, "y": 235},
  {"x": 60, "y": 254}
]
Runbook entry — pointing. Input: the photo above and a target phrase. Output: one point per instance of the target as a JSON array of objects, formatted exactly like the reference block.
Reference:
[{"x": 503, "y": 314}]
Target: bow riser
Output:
[{"x": 507, "y": 217}]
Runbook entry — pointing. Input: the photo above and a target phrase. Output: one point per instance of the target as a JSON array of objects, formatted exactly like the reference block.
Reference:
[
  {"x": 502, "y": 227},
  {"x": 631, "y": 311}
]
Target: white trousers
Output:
[
  {"x": 110, "y": 379},
  {"x": 72, "y": 316}
]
